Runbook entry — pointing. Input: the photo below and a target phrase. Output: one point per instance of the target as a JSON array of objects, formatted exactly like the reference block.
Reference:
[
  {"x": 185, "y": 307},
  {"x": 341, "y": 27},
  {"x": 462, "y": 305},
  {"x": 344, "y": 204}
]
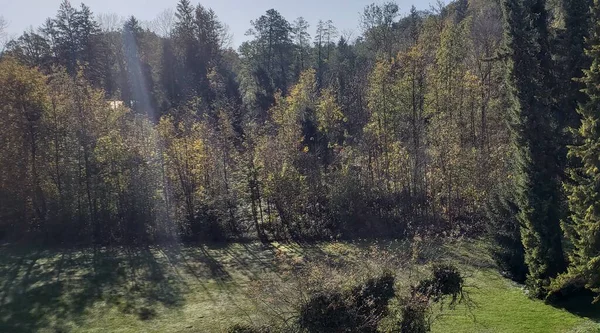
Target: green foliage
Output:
[
  {"x": 535, "y": 143},
  {"x": 446, "y": 281},
  {"x": 583, "y": 227},
  {"x": 325, "y": 313},
  {"x": 414, "y": 315},
  {"x": 505, "y": 231},
  {"x": 571, "y": 60},
  {"x": 357, "y": 310}
]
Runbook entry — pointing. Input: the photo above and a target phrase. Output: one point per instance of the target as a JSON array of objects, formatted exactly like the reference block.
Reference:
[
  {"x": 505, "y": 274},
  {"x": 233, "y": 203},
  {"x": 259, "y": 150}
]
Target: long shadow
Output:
[
  {"x": 27, "y": 291},
  {"x": 216, "y": 269},
  {"x": 176, "y": 256},
  {"x": 57, "y": 289},
  {"x": 581, "y": 304},
  {"x": 252, "y": 259}
]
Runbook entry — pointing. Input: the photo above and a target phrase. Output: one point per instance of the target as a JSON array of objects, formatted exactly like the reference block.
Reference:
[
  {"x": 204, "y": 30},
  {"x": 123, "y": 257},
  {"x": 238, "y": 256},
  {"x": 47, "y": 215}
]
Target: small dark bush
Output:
[
  {"x": 446, "y": 281},
  {"x": 414, "y": 315},
  {"x": 325, "y": 313},
  {"x": 370, "y": 300},
  {"x": 358, "y": 310},
  {"x": 146, "y": 314}
]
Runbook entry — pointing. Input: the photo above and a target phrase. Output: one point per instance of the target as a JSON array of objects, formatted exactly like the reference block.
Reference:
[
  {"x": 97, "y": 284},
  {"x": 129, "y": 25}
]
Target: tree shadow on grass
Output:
[
  {"x": 581, "y": 304},
  {"x": 56, "y": 289}
]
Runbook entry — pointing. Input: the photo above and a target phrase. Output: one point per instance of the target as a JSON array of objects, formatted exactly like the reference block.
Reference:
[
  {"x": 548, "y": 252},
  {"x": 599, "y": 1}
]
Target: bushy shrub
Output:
[
  {"x": 357, "y": 310},
  {"x": 325, "y": 313},
  {"x": 446, "y": 280},
  {"x": 370, "y": 300},
  {"x": 414, "y": 315}
]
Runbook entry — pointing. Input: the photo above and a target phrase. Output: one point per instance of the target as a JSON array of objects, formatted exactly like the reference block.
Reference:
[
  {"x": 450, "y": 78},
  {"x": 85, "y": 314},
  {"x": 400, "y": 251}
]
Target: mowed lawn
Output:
[{"x": 207, "y": 289}]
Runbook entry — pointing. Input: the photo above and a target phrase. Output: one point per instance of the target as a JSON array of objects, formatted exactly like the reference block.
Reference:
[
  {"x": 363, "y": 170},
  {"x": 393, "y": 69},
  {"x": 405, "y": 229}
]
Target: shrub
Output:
[
  {"x": 446, "y": 281},
  {"x": 414, "y": 315},
  {"x": 370, "y": 300},
  {"x": 357, "y": 310},
  {"x": 325, "y": 313}
]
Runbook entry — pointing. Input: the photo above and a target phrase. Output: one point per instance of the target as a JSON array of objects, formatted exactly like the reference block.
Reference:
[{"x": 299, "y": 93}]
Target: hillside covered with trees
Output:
[{"x": 477, "y": 119}]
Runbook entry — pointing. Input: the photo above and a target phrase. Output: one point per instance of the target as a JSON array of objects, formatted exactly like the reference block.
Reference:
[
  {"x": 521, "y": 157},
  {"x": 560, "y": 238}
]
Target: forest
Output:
[{"x": 474, "y": 121}]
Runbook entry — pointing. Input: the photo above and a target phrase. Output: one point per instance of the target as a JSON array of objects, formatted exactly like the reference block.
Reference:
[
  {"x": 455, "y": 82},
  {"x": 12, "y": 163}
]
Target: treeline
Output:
[
  {"x": 454, "y": 120},
  {"x": 123, "y": 134}
]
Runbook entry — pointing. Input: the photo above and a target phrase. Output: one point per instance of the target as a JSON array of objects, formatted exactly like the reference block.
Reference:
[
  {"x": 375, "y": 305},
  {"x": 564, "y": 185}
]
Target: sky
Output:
[{"x": 22, "y": 14}]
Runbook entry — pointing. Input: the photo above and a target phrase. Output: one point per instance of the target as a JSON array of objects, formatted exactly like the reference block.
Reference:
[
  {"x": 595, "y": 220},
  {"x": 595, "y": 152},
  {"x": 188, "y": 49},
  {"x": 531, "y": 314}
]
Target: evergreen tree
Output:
[
  {"x": 583, "y": 229},
  {"x": 169, "y": 75},
  {"x": 137, "y": 90},
  {"x": 208, "y": 40},
  {"x": 301, "y": 41},
  {"x": 73, "y": 38},
  {"x": 571, "y": 60},
  {"x": 187, "y": 47},
  {"x": 274, "y": 48},
  {"x": 507, "y": 249},
  {"x": 32, "y": 49},
  {"x": 537, "y": 187}
]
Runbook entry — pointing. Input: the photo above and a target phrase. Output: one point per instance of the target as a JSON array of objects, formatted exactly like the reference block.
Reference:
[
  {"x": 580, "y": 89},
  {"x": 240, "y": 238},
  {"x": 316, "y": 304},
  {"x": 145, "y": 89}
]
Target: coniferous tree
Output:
[
  {"x": 537, "y": 187},
  {"x": 583, "y": 229},
  {"x": 187, "y": 47},
  {"x": 507, "y": 249},
  {"x": 274, "y": 48},
  {"x": 571, "y": 60},
  {"x": 301, "y": 41},
  {"x": 73, "y": 35},
  {"x": 169, "y": 70}
]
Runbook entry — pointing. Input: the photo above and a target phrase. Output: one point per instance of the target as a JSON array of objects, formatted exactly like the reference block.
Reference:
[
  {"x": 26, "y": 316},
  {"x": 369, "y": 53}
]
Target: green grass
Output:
[
  {"x": 500, "y": 306},
  {"x": 207, "y": 289}
]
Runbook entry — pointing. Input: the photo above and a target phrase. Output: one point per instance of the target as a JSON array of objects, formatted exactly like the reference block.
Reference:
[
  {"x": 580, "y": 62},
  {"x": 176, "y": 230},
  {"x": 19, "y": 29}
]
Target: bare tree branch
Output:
[
  {"x": 110, "y": 22},
  {"x": 163, "y": 23},
  {"x": 225, "y": 36},
  {"x": 3, "y": 34}
]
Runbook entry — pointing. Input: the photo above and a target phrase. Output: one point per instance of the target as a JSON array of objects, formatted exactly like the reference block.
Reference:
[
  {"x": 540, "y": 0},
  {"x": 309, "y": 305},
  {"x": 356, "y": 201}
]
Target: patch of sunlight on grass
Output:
[{"x": 499, "y": 305}]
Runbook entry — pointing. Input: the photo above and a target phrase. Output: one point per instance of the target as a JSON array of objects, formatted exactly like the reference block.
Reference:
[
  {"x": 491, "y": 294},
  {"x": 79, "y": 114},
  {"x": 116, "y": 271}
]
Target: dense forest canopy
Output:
[{"x": 464, "y": 119}]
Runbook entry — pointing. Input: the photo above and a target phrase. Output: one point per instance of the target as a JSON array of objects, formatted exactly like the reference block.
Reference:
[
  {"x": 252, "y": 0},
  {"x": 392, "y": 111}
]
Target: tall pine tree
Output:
[
  {"x": 570, "y": 57},
  {"x": 583, "y": 229},
  {"x": 533, "y": 125}
]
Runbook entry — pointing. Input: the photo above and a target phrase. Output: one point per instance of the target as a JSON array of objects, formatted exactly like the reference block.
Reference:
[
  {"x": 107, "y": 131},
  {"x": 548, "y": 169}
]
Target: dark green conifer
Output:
[
  {"x": 536, "y": 169},
  {"x": 583, "y": 229}
]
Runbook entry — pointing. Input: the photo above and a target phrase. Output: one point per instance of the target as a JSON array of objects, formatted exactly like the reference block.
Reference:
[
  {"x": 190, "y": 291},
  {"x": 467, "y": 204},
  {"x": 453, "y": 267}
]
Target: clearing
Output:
[{"x": 208, "y": 288}]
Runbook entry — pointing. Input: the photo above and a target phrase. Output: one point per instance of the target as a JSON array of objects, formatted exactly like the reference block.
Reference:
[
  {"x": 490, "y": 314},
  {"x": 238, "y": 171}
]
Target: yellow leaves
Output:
[
  {"x": 302, "y": 97},
  {"x": 184, "y": 149},
  {"x": 281, "y": 113},
  {"x": 110, "y": 148},
  {"x": 23, "y": 89},
  {"x": 303, "y": 94},
  {"x": 329, "y": 114}
]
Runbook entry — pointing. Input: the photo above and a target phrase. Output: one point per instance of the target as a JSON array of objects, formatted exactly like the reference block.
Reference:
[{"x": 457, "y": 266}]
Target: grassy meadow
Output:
[{"x": 209, "y": 288}]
